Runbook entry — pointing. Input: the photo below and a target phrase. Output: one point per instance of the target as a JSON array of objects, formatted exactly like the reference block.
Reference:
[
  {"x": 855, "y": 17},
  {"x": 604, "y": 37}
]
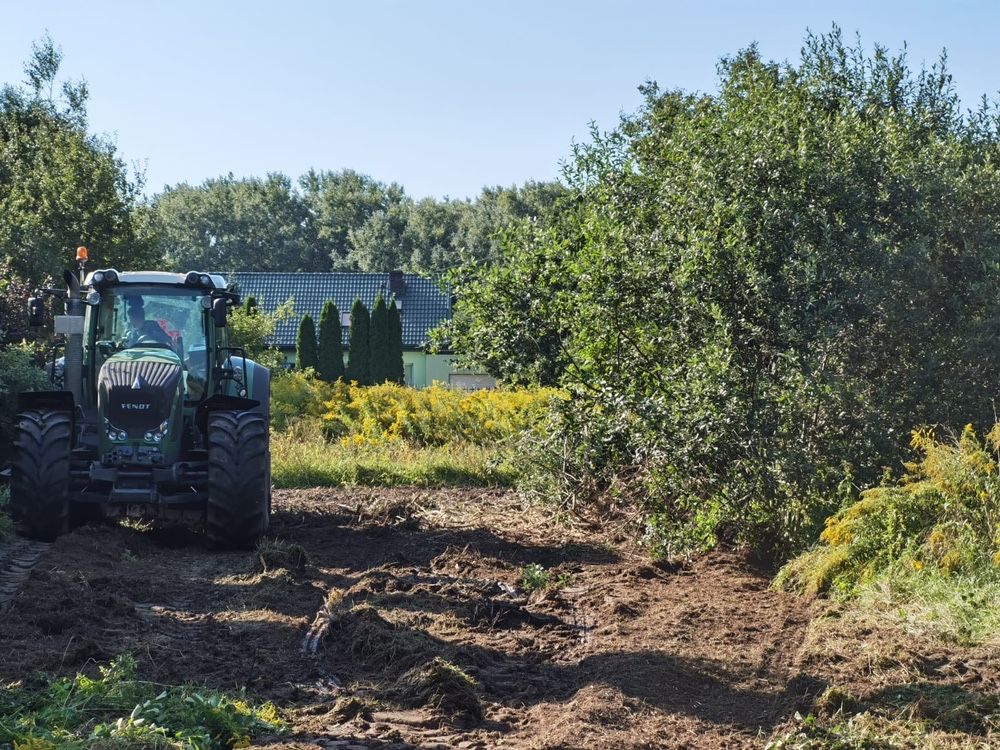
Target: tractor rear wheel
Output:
[
  {"x": 39, "y": 495},
  {"x": 239, "y": 472}
]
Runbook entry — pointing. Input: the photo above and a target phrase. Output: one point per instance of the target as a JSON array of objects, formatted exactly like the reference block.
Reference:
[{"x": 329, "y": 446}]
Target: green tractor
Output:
[{"x": 160, "y": 417}]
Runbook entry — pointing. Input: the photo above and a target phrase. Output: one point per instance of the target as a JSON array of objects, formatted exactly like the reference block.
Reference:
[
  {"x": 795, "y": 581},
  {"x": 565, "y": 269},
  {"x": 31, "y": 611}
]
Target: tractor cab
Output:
[{"x": 160, "y": 417}]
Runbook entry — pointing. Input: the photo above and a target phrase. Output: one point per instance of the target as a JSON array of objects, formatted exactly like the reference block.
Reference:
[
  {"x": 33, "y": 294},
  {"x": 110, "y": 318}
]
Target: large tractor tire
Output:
[
  {"x": 39, "y": 495},
  {"x": 239, "y": 479}
]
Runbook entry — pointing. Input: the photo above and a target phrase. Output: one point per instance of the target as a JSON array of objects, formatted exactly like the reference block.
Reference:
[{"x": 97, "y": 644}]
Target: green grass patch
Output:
[
  {"x": 307, "y": 460},
  {"x": 116, "y": 710},
  {"x": 959, "y": 608}
]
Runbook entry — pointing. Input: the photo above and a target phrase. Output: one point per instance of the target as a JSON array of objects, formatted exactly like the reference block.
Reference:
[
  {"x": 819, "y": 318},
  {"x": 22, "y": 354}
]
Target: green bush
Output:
[
  {"x": 753, "y": 294},
  {"x": 18, "y": 373},
  {"x": 252, "y": 328}
]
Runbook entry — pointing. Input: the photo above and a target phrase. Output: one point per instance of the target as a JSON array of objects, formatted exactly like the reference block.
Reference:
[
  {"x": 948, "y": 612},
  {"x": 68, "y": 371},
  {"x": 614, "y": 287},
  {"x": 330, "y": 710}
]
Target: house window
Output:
[{"x": 345, "y": 320}]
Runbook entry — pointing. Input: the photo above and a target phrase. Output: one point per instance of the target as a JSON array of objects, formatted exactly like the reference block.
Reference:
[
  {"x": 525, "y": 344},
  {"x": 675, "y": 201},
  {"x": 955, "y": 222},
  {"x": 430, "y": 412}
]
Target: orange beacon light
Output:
[{"x": 81, "y": 253}]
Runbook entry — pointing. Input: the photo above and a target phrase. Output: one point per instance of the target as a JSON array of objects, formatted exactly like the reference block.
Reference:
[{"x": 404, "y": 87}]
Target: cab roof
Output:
[{"x": 156, "y": 277}]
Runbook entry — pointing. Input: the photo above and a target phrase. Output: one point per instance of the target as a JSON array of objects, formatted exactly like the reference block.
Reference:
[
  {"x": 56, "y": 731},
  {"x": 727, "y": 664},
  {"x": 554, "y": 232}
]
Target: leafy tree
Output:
[
  {"x": 430, "y": 232},
  {"x": 306, "y": 355},
  {"x": 480, "y": 228},
  {"x": 396, "y": 369},
  {"x": 379, "y": 342},
  {"x": 359, "y": 352},
  {"x": 331, "y": 346},
  {"x": 229, "y": 224},
  {"x": 252, "y": 328},
  {"x": 341, "y": 203},
  {"x": 61, "y": 187},
  {"x": 381, "y": 243},
  {"x": 754, "y": 295}
]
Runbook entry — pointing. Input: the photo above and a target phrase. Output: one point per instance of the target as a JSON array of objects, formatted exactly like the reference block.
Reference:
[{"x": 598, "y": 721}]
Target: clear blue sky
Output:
[{"x": 442, "y": 97}]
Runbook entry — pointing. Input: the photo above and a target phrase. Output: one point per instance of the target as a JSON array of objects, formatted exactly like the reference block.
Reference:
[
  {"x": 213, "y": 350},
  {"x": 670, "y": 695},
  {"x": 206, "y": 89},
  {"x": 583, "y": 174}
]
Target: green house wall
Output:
[{"x": 421, "y": 369}]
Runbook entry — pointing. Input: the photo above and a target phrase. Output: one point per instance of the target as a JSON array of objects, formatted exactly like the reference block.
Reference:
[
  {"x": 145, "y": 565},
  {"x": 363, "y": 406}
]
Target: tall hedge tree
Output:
[
  {"x": 306, "y": 354},
  {"x": 756, "y": 294},
  {"x": 397, "y": 370},
  {"x": 331, "y": 345},
  {"x": 379, "y": 341},
  {"x": 359, "y": 353}
]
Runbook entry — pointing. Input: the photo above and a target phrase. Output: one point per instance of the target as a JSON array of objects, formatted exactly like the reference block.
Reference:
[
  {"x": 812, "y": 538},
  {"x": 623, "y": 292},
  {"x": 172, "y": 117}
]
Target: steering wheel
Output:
[{"x": 150, "y": 342}]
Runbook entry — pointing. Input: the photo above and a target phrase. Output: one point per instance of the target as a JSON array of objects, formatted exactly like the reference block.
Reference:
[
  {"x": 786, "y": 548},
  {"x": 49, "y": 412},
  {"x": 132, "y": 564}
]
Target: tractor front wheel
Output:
[
  {"x": 39, "y": 496},
  {"x": 239, "y": 491}
]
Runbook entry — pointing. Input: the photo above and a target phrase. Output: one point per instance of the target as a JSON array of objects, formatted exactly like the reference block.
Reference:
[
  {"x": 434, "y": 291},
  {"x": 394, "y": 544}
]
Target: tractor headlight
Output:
[
  {"x": 114, "y": 434},
  {"x": 157, "y": 435}
]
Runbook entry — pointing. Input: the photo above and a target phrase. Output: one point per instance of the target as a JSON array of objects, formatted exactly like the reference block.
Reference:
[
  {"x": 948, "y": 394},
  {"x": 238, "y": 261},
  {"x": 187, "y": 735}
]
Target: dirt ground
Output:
[{"x": 348, "y": 641}]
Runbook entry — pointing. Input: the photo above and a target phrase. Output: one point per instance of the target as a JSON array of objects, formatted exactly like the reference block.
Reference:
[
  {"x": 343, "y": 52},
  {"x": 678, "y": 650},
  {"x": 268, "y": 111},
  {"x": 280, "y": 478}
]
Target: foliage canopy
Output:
[{"x": 754, "y": 294}]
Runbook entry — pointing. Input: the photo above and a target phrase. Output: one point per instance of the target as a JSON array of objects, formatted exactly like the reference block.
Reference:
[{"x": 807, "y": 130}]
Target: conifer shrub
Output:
[
  {"x": 306, "y": 355},
  {"x": 379, "y": 342},
  {"x": 359, "y": 353},
  {"x": 331, "y": 347}
]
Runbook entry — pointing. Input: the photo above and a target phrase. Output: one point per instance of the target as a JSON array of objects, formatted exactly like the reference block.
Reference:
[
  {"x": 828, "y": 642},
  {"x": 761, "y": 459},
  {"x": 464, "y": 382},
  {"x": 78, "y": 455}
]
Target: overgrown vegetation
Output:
[
  {"x": 338, "y": 433},
  {"x": 252, "y": 328},
  {"x": 304, "y": 457},
  {"x": 925, "y": 548},
  {"x": 18, "y": 372},
  {"x": 118, "y": 710},
  {"x": 755, "y": 294}
]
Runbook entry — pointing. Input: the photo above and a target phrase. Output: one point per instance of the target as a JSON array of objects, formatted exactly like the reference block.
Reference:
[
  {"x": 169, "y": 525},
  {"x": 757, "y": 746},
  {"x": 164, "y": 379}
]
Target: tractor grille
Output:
[
  {"x": 137, "y": 396},
  {"x": 155, "y": 374}
]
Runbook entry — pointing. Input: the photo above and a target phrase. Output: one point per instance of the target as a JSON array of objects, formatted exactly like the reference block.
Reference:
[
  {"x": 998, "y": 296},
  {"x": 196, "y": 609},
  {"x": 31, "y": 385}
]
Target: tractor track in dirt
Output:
[{"x": 17, "y": 558}]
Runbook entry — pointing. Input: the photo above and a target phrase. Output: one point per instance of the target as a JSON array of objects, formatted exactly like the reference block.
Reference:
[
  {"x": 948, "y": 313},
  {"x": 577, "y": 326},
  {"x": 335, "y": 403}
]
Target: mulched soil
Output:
[{"x": 623, "y": 653}]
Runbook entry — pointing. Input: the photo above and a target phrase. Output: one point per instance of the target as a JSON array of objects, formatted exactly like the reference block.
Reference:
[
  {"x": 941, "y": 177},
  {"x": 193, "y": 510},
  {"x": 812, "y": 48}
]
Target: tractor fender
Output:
[
  {"x": 259, "y": 388},
  {"x": 46, "y": 401},
  {"x": 221, "y": 402}
]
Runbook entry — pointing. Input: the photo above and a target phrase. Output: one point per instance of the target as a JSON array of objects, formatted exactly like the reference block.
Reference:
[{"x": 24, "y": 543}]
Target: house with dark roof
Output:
[{"x": 423, "y": 305}]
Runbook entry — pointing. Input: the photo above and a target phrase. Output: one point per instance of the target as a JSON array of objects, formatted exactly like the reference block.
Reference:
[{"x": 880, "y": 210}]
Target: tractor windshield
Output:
[
  {"x": 131, "y": 317},
  {"x": 175, "y": 320}
]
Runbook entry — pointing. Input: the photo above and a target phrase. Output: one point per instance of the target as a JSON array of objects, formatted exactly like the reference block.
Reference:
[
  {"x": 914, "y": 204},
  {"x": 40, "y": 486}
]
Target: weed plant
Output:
[
  {"x": 117, "y": 710},
  {"x": 923, "y": 549}
]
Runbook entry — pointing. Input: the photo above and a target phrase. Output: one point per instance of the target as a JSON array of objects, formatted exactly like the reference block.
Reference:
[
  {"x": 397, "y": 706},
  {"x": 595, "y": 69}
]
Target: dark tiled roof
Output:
[{"x": 424, "y": 305}]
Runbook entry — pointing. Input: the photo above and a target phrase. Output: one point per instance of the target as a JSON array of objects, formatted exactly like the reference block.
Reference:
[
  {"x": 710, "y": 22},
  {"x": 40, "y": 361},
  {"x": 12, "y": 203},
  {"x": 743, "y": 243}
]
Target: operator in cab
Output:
[{"x": 142, "y": 331}]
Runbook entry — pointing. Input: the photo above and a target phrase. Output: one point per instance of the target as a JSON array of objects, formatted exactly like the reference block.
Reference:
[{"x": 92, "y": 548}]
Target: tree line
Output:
[
  {"x": 62, "y": 186},
  {"x": 375, "y": 349}
]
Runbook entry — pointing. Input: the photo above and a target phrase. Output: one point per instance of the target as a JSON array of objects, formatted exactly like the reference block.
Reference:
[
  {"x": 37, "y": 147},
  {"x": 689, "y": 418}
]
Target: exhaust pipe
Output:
[{"x": 71, "y": 324}]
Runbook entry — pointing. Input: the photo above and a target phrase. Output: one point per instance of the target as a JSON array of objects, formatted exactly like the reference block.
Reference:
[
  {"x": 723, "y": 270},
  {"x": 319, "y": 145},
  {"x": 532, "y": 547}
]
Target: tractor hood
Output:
[{"x": 138, "y": 388}]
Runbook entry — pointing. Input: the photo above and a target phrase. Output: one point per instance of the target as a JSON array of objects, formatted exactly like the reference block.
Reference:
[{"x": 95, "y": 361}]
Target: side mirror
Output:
[
  {"x": 219, "y": 312},
  {"x": 36, "y": 312}
]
